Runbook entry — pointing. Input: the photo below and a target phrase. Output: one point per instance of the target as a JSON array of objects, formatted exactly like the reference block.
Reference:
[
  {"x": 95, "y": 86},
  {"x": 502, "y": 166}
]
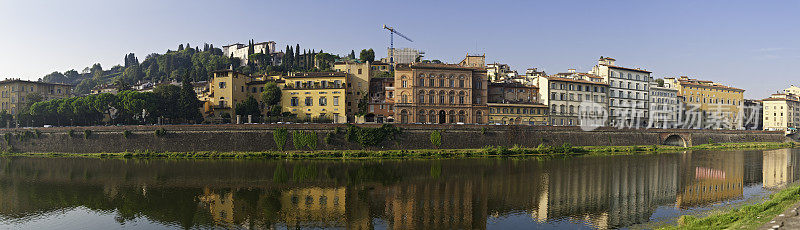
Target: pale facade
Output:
[
  {"x": 564, "y": 94},
  {"x": 14, "y": 93},
  {"x": 358, "y": 76},
  {"x": 628, "y": 92},
  {"x": 781, "y": 112},
  {"x": 664, "y": 106},
  {"x": 239, "y": 50}
]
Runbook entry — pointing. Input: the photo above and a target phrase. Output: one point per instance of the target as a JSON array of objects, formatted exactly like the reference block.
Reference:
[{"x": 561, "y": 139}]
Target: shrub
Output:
[
  {"x": 436, "y": 138},
  {"x": 87, "y": 133},
  {"x": 311, "y": 139},
  {"x": 37, "y": 133},
  {"x": 127, "y": 134},
  {"x": 279, "y": 136},
  {"x": 297, "y": 139},
  {"x": 328, "y": 138},
  {"x": 484, "y": 131},
  {"x": 7, "y": 138},
  {"x": 339, "y": 130},
  {"x": 161, "y": 132},
  {"x": 371, "y": 136},
  {"x": 71, "y": 133}
]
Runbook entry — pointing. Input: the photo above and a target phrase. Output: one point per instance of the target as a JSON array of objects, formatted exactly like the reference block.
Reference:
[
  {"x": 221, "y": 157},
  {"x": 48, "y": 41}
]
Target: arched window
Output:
[
  {"x": 563, "y": 109},
  {"x": 478, "y": 117},
  {"x": 452, "y": 117},
  {"x": 461, "y": 98},
  {"x": 452, "y": 83},
  {"x": 571, "y": 109},
  {"x": 421, "y": 81},
  {"x": 432, "y": 116},
  {"x": 431, "y": 97},
  {"x": 441, "y": 97},
  {"x": 452, "y": 97},
  {"x": 462, "y": 116},
  {"x": 404, "y": 116},
  {"x": 421, "y": 97},
  {"x": 421, "y": 116},
  {"x": 404, "y": 98}
]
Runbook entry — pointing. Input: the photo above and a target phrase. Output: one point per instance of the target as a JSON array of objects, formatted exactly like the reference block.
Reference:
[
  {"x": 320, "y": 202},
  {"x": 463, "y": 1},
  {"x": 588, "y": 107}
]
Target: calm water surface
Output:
[{"x": 574, "y": 193}]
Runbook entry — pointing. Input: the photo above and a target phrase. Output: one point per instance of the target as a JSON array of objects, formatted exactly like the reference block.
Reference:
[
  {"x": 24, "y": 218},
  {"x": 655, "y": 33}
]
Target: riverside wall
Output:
[{"x": 259, "y": 137}]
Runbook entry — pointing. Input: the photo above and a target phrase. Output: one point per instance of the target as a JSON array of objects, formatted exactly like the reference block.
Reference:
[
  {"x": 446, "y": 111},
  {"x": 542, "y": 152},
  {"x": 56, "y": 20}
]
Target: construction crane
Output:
[{"x": 392, "y": 32}]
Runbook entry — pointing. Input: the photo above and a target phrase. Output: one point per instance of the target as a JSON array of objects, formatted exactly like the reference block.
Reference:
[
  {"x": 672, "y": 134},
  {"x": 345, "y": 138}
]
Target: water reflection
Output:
[{"x": 586, "y": 192}]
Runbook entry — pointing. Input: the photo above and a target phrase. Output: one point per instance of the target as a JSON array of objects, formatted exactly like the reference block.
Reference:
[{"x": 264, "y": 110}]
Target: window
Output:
[
  {"x": 452, "y": 83},
  {"x": 478, "y": 85},
  {"x": 421, "y": 82},
  {"x": 253, "y": 90},
  {"x": 359, "y": 71},
  {"x": 221, "y": 86},
  {"x": 295, "y": 101},
  {"x": 336, "y": 101},
  {"x": 441, "y": 82},
  {"x": 431, "y": 82},
  {"x": 309, "y": 101},
  {"x": 323, "y": 101},
  {"x": 461, "y": 83},
  {"x": 242, "y": 88},
  {"x": 404, "y": 83}
]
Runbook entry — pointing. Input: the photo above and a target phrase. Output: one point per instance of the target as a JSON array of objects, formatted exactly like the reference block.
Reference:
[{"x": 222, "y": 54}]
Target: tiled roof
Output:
[
  {"x": 553, "y": 78},
  {"x": 619, "y": 67}
]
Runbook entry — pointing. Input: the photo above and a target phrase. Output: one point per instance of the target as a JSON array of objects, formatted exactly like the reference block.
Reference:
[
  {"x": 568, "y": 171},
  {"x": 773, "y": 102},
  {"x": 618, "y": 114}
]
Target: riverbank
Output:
[
  {"x": 542, "y": 151},
  {"x": 746, "y": 217}
]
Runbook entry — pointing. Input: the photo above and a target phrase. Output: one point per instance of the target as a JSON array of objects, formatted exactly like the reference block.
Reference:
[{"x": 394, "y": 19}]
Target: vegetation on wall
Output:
[
  {"x": 371, "y": 136},
  {"x": 436, "y": 138},
  {"x": 279, "y": 136}
]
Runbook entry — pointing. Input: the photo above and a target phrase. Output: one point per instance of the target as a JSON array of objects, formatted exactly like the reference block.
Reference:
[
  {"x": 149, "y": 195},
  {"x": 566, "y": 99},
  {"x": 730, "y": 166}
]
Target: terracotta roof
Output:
[
  {"x": 512, "y": 84},
  {"x": 619, "y": 67},
  {"x": 778, "y": 99},
  {"x": 517, "y": 104}
]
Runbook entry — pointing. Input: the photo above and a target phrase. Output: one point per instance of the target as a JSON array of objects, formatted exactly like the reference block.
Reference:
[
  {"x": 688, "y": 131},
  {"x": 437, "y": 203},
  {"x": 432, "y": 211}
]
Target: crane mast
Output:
[{"x": 392, "y": 32}]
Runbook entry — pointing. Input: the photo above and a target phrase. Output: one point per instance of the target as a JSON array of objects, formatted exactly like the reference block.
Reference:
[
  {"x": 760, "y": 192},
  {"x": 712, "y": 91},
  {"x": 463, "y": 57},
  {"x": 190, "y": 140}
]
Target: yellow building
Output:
[
  {"x": 358, "y": 76},
  {"x": 314, "y": 207},
  {"x": 14, "y": 92},
  {"x": 720, "y": 105},
  {"x": 316, "y": 95},
  {"x": 228, "y": 88}
]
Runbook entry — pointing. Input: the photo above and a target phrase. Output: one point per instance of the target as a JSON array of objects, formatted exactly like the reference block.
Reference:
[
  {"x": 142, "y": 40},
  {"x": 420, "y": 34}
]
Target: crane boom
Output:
[{"x": 392, "y": 32}]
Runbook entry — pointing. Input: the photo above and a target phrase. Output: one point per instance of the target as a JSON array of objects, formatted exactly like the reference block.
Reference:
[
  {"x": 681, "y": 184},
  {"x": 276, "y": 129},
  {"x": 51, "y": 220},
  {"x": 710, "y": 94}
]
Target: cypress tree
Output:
[{"x": 297, "y": 55}]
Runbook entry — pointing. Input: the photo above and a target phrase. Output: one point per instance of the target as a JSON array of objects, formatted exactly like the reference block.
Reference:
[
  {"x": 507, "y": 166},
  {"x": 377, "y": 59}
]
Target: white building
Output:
[
  {"x": 628, "y": 93},
  {"x": 239, "y": 50},
  {"x": 500, "y": 72},
  {"x": 664, "y": 106},
  {"x": 781, "y": 112},
  {"x": 565, "y": 92}
]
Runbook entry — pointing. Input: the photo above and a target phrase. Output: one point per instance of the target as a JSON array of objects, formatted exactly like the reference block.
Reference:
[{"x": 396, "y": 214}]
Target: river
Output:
[{"x": 638, "y": 191}]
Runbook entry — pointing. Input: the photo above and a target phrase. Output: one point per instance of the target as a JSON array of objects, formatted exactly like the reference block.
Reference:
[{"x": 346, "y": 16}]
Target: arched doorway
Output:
[{"x": 442, "y": 117}]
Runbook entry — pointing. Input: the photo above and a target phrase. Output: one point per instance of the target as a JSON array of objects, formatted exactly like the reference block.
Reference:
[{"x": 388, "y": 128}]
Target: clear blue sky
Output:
[{"x": 746, "y": 44}]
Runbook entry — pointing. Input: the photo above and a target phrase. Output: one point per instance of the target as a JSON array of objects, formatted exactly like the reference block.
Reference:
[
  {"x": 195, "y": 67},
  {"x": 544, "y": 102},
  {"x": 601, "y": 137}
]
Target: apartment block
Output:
[
  {"x": 719, "y": 105},
  {"x": 628, "y": 92},
  {"x": 316, "y": 95},
  {"x": 14, "y": 93},
  {"x": 565, "y": 92}
]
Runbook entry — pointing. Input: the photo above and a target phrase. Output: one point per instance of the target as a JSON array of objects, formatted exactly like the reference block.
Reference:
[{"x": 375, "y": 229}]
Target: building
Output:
[
  {"x": 514, "y": 104},
  {"x": 381, "y": 100},
  {"x": 781, "y": 112},
  {"x": 565, "y": 93},
  {"x": 628, "y": 92},
  {"x": 720, "y": 106},
  {"x": 753, "y": 115},
  {"x": 402, "y": 55},
  {"x": 477, "y": 61},
  {"x": 316, "y": 96},
  {"x": 15, "y": 93},
  {"x": 358, "y": 75},
  {"x": 440, "y": 93},
  {"x": 792, "y": 90},
  {"x": 240, "y": 51},
  {"x": 499, "y": 72},
  {"x": 664, "y": 106},
  {"x": 377, "y": 67},
  {"x": 227, "y": 89}
]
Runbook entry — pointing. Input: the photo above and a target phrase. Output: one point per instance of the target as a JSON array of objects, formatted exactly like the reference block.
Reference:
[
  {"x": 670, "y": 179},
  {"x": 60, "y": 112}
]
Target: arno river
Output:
[{"x": 495, "y": 193}]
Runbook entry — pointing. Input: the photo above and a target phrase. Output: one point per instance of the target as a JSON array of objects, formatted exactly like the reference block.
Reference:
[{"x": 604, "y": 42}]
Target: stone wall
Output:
[{"x": 181, "y": 138}]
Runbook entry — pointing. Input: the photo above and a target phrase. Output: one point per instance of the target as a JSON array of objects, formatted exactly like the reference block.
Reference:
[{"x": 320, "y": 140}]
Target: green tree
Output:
[
  {"x": 367, "y": 55},
  {"x": 248, "y": 107},
  {"x": 189, "y": 104},
  {"x": 132, "y": 74},
  {"x": 271, "y": 95},
  {"x": 168, "y": 95}
]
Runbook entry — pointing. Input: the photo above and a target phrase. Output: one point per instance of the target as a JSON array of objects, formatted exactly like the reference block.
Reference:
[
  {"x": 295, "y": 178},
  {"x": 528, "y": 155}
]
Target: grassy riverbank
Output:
[
  {"x": 746, "y": 217},
  {"x": 489, "y": 151}
]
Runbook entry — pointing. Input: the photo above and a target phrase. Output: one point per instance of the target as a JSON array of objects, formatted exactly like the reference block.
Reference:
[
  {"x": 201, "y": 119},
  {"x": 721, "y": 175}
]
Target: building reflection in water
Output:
[{"x": 600, "y": 192}]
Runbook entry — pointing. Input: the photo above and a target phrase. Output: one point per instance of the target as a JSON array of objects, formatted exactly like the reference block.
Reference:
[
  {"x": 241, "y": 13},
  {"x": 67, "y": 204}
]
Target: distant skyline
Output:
[{"x": 745, "y": 44}]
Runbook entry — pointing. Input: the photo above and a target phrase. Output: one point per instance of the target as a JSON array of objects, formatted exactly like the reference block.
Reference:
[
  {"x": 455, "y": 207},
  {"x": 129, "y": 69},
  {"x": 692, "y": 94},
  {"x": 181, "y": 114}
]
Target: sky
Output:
[{"x": 746, "y": 44}]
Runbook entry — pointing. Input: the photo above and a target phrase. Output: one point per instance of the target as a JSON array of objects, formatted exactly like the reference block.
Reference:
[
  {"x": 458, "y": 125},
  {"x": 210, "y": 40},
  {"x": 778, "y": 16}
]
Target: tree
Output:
[
  {"x": 324, "y": 60},
  {"x": 180, "y": 47},
  {"x": 168, "y": 96},
  {"x": 248, "y": 107},
  {"x": 132, "y": 74},
  {"x": 188, "y": 102},
  {"x": 367, "y": 55},
  {"x": 55, "y": 77},
  {"x": 271, "y": 95}
]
